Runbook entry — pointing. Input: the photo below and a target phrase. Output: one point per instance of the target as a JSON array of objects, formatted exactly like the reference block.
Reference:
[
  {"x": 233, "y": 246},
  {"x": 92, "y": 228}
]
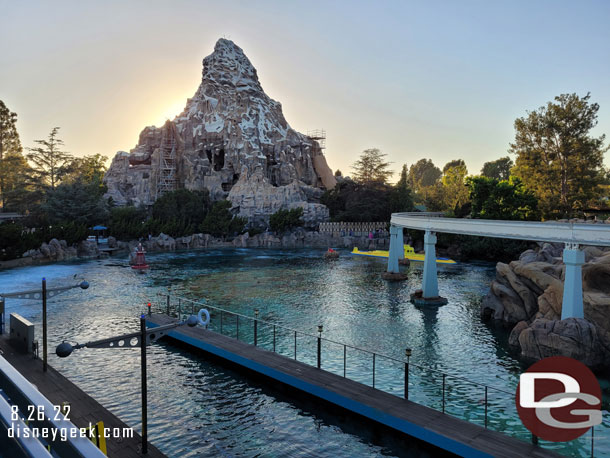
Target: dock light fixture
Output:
[
  {"x": 133, "y": 340},
  {"x": 320, "y": 328},
  {"x": 43, "y": 294},
  {"x": 408, "y": 353}
]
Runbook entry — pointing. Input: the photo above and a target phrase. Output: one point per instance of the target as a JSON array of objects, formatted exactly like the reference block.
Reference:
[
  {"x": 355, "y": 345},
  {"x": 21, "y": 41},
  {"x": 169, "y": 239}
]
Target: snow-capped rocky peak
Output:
[
  {"x": 229, "y": 66},
  {"x": 229, "y": 126}
]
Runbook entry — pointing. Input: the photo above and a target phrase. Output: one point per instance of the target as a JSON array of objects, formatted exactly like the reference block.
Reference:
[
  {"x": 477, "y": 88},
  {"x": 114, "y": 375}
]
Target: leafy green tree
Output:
[
  {"x": 88, "y": 169},
  {"x": 220, "y": 222},
  {"x": 283, "y": 220},
  {"x": 401, "y": 198},
  {"x": 351, "y": 201},
  {"x": 11, "y": 161},
  {"x": 423, "y": 174},
  {"x": 454, "y": 163},
  {"x": 50, "y": 162},
  {"x": 129, "y": 223},
  {"x": 557, "y": 157},
  {"x": 182, "y": 205},
  {"x": 498, "y": 169},
  {"x": 455, "y": 192},
  {"x": 77, "y": 202},
  {"x": 506, "y": 199},
  {"x": 371, "y": 168}
]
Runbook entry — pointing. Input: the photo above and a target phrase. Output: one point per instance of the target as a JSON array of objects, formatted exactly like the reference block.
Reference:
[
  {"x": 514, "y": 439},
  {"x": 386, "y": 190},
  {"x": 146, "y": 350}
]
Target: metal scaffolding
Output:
[
  {"x": 318, "y": 135},
  {"x": 166, "y": 179}
]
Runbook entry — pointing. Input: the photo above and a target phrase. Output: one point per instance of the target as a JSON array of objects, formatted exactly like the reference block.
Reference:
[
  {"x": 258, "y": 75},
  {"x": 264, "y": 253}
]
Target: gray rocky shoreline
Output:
[
  {"x": 526, "y": 297},
  {"x": 58, "y": 250}
]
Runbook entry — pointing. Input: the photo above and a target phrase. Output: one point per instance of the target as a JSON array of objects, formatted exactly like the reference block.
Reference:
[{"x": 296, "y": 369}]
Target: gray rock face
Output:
[
  {"x": 527, "y": 295},
  {"x": 228, "y": 130},
  {"x": 255, "y": 198}
]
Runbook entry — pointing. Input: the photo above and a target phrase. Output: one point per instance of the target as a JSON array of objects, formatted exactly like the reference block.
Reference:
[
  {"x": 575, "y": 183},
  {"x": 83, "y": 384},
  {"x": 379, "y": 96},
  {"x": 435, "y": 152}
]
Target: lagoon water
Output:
[{"x": 199, "y": 408}]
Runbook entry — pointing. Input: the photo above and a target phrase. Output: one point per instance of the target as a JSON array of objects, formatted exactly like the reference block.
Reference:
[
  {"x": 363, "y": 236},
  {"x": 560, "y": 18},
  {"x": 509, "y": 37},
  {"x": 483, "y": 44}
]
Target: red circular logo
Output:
[{"x": 559, "y": 399}]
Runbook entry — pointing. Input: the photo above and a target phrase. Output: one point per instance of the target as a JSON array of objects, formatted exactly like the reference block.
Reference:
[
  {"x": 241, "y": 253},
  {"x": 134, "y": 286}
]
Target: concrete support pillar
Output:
[
  {"x": 430, "y": 282},
  {"x": 572, "y": 306},
  {"x": 394, "y": 250},
  {"x": 401, "y": 243}
]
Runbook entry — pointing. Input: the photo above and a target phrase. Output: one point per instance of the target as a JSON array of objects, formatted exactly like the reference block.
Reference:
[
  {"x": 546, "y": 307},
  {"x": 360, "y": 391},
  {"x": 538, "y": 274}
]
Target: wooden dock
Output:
[
  {"x": 428, "y": 425},
  {"x": 83, "y": 408}
]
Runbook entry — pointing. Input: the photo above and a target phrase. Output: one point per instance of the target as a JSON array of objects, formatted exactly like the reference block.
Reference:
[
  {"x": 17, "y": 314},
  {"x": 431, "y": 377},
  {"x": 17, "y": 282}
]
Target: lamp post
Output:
[
  {"x": 320, "y": 329},
  {"x": 142, "y": 338},
  {"x": 408, "y": 355},
  {"x": 43, "y": 293}
]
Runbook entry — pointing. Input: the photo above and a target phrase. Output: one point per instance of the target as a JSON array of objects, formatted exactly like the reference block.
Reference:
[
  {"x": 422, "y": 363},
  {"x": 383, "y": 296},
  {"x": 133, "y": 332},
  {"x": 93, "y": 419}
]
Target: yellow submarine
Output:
[{"x": 410, "y": 254}]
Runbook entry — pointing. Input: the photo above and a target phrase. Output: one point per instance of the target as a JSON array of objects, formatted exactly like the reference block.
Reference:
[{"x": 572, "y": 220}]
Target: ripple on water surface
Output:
[{"x": 198, "y": 408}]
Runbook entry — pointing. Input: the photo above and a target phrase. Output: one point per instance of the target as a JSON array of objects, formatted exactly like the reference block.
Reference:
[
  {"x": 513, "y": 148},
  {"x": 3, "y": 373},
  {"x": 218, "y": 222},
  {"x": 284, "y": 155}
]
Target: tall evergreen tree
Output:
[
  {"x": 10, "y": 152},
  {"x": 401, "y": 197},
  {"x": 557, "y": 157},
  {"x": 371, "y": 168},
  {"x": 50, "y": 162}
]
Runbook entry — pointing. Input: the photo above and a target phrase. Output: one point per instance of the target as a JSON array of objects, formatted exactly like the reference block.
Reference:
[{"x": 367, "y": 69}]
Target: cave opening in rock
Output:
[
  {"x": 219, "y": 160},
  {"x": 235, "y": 178}
]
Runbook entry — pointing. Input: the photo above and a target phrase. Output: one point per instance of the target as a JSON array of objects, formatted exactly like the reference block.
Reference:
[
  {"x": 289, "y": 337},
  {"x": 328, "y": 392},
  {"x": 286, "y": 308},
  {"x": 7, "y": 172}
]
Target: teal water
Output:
[{"x": 198, "y": 408}]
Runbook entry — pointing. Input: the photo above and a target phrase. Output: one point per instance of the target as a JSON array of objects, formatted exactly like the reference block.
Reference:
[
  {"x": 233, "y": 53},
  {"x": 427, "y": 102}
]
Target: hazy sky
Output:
[{"x": 440, "y": 80}]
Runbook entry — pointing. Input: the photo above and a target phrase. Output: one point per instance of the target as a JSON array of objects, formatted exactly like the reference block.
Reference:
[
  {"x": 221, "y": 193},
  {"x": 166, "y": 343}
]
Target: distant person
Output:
[
  {"x": 149, "y": 236},
  {"x": 370, "y": 235}
]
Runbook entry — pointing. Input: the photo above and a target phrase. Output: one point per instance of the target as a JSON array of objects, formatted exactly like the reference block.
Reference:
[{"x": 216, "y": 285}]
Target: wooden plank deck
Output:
[
  {"x": 429, "y": 425},
  {"x": 83, "y": 408}
]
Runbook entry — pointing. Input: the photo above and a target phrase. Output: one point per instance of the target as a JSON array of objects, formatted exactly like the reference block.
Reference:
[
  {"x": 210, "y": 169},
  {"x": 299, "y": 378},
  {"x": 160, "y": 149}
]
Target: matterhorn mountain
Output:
[{"x": 231, "y": 139}]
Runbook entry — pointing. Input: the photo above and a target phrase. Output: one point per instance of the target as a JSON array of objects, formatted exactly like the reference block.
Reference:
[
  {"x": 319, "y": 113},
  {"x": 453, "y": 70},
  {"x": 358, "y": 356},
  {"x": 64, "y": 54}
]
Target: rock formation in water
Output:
[
  {"x": 527, "y": 296},
  {"x": 231, "y": 139}
]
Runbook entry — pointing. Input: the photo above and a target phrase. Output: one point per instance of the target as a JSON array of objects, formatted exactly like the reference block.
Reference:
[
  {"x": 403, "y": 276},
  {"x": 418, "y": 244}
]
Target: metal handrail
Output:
[{"x": 370, "y": 352}]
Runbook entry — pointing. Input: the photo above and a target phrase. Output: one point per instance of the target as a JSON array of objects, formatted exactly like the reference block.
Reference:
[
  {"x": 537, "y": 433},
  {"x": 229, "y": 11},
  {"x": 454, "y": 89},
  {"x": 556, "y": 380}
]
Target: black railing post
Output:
[
  {"x": 373, "y": 370},
  {"x": 344, "y": 359},
  {"x": 319, "y": 345},
  {"x": 592, "y": 440},
  {"x": 44, "y": 324},
  {"x": 273, "y": 338},
  {"x": 256, "y": 327},
  {"x": 168, "y": 305},
  {"x": 408, "y": 355},
  {"x": 485, "y": 407},
  {"x": 295, "y": 345},
  {"x": 179, "y": 309},
  {"x": 443, "y": 393},
  {"x": 144, "y": 388},
  {"x": 1, "y": 315}
]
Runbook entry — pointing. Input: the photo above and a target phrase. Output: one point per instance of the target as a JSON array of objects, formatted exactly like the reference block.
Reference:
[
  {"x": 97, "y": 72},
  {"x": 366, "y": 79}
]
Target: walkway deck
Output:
[
  {"x": 84, "y": 409},
  {"x": 428, "y": 425}
]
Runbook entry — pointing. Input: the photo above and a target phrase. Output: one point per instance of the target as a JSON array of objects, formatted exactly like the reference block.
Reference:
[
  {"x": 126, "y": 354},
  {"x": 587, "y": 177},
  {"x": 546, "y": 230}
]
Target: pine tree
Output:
[
  {"x": 10, "y": 152},
  {"x": 50, "y": 162},
  {"x": 371, "y": 168}
]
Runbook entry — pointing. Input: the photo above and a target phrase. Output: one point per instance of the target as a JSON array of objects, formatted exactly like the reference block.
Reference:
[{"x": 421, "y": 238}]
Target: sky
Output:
[{"x": 426, "y": 79}]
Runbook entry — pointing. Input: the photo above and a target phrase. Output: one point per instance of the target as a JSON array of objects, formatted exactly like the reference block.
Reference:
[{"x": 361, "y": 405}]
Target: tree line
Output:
[{"x": 558, "y": 172}]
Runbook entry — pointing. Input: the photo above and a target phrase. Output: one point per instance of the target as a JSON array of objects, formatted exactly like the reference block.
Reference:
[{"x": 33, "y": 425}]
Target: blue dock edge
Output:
[{"x": 404, "y": 426}]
